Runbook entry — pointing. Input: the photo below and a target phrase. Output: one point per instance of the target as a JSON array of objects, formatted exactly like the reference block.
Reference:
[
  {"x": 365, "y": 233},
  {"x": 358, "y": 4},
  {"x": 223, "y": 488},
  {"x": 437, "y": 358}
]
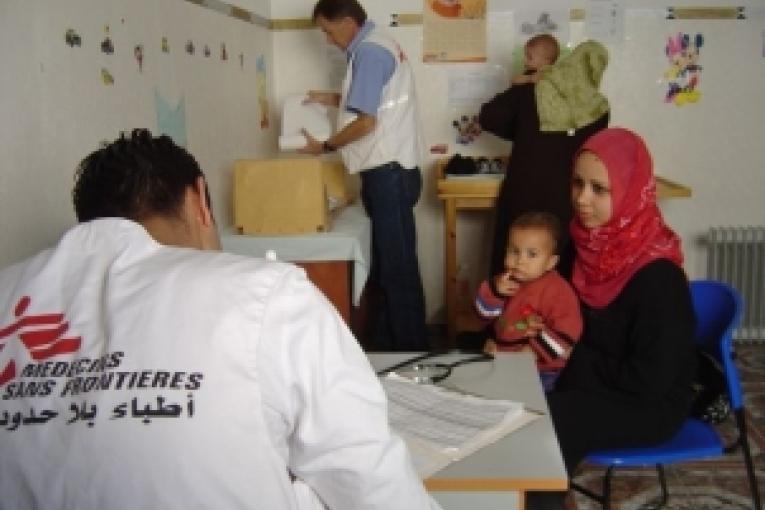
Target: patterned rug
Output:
[{"x": 709, "y": 485}]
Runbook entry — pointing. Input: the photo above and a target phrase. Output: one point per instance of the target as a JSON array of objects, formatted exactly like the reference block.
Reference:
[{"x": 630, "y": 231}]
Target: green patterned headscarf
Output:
[{"x": 567, "y": 93}]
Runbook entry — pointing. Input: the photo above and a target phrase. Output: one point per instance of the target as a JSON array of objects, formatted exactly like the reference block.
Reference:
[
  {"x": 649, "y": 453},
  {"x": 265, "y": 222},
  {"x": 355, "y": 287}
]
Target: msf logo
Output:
[{"x": 42, "y": 335}]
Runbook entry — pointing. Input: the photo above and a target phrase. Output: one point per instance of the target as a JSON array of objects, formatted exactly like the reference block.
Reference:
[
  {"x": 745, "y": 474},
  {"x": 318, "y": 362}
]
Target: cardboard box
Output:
[{"x": 287, "y": 196}]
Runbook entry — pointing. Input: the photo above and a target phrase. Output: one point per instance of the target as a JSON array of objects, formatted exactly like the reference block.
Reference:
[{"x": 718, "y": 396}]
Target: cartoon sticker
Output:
[
  {"x": 138, "y": 53},
  {"x": 190, "y": 47},
  {"x": 260, "y": 87},
  {"x": 468, "y": 129},
  {"x": 107, "y": 46},
  {"x": 165, "y": 45},
  {"x": 72, "y": 38},
  {"x": 106, "y": 76},
  {"x": 684, "y": 73},
  {"x": 207, "y": 51}
]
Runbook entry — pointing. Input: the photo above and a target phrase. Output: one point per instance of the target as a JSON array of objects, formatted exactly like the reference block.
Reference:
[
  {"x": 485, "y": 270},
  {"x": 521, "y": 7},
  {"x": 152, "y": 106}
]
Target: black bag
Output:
[
  {"x": 459, "y": 165},
  {"x": 710, "y": 402}
]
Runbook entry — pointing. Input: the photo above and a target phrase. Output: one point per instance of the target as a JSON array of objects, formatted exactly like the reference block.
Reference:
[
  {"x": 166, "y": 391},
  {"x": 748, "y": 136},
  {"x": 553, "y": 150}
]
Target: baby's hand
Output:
[
  {"x": 490, "y": 347},
  {"x": 505, "y": 285},
  {"x": 534, "y": 325}
]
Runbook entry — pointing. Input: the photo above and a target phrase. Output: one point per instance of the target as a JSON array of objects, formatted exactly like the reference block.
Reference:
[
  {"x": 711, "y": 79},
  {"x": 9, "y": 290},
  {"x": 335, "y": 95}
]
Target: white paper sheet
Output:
[{"x": 297, "y": 116}]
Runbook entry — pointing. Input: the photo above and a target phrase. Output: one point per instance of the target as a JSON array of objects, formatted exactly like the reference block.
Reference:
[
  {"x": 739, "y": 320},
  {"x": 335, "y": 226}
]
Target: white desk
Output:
[
  {"x": 349, "y": 239},
  {"x": 497, "y": 476}
]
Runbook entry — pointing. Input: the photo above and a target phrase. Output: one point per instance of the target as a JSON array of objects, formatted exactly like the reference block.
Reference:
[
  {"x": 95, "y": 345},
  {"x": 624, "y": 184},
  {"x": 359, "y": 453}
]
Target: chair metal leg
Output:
[
  {"x": 587, "y": 492},
  {"x": 744, "y": 442},
  {"x": 607, "y": 488},
  {"x": 663, "y": 484},
  {"x": 604, "y": 498}
]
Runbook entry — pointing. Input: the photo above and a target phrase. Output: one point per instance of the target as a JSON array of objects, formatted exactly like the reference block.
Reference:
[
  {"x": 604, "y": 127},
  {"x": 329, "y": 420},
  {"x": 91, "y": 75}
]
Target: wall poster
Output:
[{"x": 454, "y": 31}]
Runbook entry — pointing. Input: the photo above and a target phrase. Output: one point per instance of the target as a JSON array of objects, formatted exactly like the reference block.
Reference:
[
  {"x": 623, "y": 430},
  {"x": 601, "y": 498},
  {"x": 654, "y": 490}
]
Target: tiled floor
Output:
[{"x": 711, "y": 485}]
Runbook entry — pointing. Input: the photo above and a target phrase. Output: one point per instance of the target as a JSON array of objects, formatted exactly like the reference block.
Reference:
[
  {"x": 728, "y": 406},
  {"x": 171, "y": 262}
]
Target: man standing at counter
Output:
[{"x": 380, "y": 137}]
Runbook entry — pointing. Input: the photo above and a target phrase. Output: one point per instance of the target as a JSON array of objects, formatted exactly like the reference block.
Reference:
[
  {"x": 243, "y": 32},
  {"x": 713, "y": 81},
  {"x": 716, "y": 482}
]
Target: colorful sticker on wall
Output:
[
  {"x": 190, "y": 47},
  {"x": 165, "y": 45},
  {"x": 684, "y": 73},
  {"x": 138, "y": 53},
  {"x": 171, "y": 121},
  {"x": 260, "y": 86},
  {"x": 468, "y": 129},
  {"x": 106, "y": 76},
  {"x": 107, "y": 46},
  {"x": 223, "y": 52},
  {"x": 72, "y": 38}
]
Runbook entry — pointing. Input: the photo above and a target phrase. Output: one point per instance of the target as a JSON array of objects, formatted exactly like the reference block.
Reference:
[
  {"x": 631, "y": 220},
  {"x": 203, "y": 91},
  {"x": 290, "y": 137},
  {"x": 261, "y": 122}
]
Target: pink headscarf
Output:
[{"x": 608, "y": 256}]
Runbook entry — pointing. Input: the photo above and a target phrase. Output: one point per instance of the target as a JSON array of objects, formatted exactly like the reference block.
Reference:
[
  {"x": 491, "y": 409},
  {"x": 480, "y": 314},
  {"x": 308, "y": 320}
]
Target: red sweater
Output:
[{"x": 549, "y": 297}]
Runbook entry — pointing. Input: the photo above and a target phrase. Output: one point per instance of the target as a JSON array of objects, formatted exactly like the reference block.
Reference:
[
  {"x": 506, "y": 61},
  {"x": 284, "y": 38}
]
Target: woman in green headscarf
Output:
[{"x": 547, "y": 122}]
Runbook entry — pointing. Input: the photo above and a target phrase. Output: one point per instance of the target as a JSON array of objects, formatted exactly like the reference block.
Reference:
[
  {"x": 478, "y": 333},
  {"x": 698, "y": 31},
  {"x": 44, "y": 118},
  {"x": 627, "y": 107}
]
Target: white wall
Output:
[
  {"x": 714, "y": 146},
  {"x": 54, "y": 108}
]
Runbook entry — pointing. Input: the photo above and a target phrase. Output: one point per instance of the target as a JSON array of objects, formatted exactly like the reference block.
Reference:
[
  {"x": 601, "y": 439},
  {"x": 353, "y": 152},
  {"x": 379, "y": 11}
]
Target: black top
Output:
[
  {"x": 628, "y": 382},
  {"x": 539, "y": 171},
  {"x": 639, "y": 347}
]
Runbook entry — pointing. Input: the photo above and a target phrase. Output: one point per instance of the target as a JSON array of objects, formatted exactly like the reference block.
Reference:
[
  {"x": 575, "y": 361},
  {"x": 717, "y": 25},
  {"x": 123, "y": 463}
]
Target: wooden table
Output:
[
  {"x": 498, "y": 476},
  {"x": 480, "y": 193}
]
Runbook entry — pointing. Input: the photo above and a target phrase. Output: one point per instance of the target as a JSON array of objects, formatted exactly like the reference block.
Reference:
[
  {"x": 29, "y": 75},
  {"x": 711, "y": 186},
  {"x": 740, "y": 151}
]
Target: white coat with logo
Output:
[{"x": 139, "y": 376}]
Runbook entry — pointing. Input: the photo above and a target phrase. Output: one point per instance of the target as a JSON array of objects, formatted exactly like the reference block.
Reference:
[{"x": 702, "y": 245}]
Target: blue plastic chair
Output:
[{"x": 718, "y": 309}]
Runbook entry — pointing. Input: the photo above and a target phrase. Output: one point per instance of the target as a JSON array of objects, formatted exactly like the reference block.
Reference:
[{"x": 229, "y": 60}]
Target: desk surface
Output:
[
  {"x": 348, "y": 239},
  {"x": 488, "y": 187},
  {"x": 526, "y": 459}
]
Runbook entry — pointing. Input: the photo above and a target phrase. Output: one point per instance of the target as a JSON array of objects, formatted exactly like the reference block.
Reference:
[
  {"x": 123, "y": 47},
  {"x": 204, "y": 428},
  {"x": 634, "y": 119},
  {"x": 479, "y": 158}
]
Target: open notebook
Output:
[{"x": 441, "y": 426}]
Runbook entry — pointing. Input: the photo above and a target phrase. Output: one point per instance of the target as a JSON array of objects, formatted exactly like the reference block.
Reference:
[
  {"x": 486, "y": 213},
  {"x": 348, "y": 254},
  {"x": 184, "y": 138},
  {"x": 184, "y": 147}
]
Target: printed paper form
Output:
[{"x": 441, "y": 426}]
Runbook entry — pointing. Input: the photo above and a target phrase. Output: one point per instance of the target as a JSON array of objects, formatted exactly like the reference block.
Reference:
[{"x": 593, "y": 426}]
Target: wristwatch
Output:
[{"x": 327, "y": 147}]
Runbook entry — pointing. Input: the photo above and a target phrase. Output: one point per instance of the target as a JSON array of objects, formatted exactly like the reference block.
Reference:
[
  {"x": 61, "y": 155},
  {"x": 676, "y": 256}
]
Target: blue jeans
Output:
[{"x": 389, "y": 193}]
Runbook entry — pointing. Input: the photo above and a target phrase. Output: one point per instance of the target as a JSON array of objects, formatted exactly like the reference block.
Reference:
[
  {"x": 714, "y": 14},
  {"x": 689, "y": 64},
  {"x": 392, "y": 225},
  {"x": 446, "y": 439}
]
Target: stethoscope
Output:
[{"x": 433, "y": 372}]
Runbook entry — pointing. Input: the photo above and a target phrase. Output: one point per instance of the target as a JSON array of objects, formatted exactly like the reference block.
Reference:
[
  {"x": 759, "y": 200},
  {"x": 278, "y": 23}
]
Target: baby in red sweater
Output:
[{"x": 532, "y": 306}]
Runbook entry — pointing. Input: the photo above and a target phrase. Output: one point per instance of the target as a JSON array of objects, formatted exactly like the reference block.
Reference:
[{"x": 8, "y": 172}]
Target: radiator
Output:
[{"x": 736, "y": 256}]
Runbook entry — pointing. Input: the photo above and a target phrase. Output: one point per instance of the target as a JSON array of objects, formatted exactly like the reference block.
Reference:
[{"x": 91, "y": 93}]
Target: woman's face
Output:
[{"x": 590, "y": 191}]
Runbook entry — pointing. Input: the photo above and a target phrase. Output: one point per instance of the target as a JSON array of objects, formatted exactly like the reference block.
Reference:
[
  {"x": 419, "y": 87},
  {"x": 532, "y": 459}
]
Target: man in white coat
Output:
[{"x": 138, "y": 370}]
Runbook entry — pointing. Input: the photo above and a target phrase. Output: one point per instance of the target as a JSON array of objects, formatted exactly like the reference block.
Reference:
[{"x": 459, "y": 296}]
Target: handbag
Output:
[{"x": 710, "y": 400}]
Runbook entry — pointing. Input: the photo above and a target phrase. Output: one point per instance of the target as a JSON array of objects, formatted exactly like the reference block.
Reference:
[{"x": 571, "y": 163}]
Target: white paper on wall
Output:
[{"x": 604, "y": 21}]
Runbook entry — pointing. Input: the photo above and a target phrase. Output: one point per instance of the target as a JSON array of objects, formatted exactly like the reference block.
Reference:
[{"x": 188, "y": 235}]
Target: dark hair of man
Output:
[
  {"x": 540, "y": 220},
  {"x": 134, "y": 177},
  {"x": 333, "y": 10}
]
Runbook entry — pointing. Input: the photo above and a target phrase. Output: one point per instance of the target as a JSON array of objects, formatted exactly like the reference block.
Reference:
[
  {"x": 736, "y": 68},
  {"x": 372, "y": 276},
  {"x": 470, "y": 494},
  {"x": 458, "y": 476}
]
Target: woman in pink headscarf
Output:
[{"x": 628, "y": 382}]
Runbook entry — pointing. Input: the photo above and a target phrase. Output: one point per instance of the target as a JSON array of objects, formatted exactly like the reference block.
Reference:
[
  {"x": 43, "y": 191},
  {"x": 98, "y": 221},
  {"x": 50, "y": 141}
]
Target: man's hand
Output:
[
  {"x": 313, "y": 146},
  {"x": 322, "y": 97}
]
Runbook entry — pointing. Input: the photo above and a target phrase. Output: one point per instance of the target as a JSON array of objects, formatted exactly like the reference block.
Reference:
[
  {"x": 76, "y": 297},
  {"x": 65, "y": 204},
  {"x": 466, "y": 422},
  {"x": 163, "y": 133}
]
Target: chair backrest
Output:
[{"x": 718, "y": 309}]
